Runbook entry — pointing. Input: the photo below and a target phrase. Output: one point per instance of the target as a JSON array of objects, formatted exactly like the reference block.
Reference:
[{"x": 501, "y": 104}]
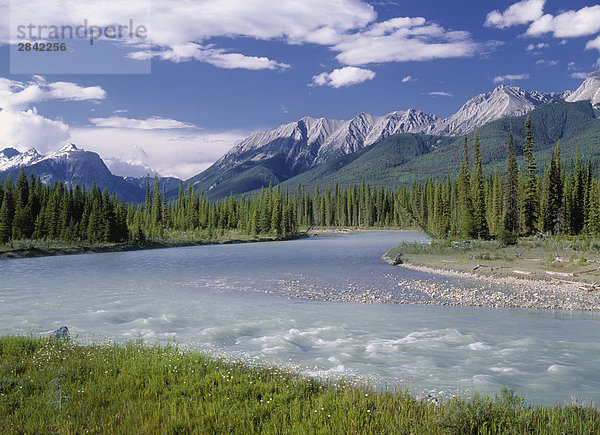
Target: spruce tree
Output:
[
  {"x": 467, "y": 227},
  {"x": 555, "y": 192},
  {"x": 22, "y": 226},
  {"x": 511, "y": 193},
  {"x": 7, "y": 211},
  {"x": 530, "y": 196},
  {"x": 480, "y": 225}
]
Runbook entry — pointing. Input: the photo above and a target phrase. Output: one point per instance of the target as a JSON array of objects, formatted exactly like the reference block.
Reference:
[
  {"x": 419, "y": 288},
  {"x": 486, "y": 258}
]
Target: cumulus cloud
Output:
[
  {"x": 181, "y": 153},
  {"x": 188, "y": 30},
  {"x": 15, "y": 95},
  {"x": 594, "y": 44},
  {"x": 26, "y": 129},
  {"x": 569, "y": 24},
  {"x": 184, "y": 22},
  {"x": 153, "y": 123},
  {"x": 522, "y": 12},
  {"x": 511, "y": 77},
  {"x": 343, "y": 77},
  {"x": 131, "y": 168},
  {"x": 403, "y": 40},
  {"x": 439, "y": 94}
]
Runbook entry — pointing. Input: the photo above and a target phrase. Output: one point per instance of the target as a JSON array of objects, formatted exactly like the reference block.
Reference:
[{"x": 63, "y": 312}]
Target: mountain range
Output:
[
  {"x": 283, "y": 154},
  {"x": 394, "y": 149},
  {"x": 72, "y": 166}
]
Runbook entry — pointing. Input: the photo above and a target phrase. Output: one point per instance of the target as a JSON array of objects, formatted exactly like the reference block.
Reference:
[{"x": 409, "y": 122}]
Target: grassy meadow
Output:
[
  {"x": 564, "y": 258},
  {"x": 49, "y": 386}
]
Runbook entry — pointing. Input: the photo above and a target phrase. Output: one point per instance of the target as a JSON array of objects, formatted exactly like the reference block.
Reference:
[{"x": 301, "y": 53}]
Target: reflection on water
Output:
[{"x": 229, "y": 298}]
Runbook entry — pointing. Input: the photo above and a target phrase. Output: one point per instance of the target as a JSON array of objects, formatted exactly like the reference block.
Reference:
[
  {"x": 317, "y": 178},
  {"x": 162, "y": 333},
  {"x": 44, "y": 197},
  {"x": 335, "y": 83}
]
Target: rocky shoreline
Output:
[
  {"x": 505, "y": 291},
  {"x": 459, "y": 289}
]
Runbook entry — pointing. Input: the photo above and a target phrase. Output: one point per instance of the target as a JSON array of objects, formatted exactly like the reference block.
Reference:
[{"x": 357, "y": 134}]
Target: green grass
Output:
[
  {"x": 170, "y": 239},
  {"x": 50, "y": 386},
  {"x": 575, "y": 258}
]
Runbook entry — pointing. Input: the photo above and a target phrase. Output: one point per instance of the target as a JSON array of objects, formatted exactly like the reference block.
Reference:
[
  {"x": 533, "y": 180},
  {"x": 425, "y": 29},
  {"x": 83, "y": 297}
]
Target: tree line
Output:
[{"x": 561, "y": 200}]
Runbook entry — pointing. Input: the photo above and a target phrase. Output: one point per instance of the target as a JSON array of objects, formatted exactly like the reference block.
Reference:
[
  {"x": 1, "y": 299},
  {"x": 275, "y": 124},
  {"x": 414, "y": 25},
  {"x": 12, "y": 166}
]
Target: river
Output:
[{"x": 240, "y": 300}]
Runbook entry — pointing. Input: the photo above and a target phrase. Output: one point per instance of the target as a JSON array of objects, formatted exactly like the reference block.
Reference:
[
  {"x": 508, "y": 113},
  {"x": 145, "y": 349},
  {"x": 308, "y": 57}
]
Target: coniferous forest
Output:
[{"x": 563, "y": 199}]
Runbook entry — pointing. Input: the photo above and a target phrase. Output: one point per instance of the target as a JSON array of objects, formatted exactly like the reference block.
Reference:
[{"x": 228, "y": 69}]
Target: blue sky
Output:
[{"x": 221, "y": 69}]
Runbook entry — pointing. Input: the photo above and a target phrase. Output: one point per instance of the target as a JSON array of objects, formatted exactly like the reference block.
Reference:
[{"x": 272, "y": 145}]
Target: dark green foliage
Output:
[
  {"x": 480, "y": 225},
  {"x": 511, "y": 192},
  {"x": 469, "y": 206},
  {"x": 529, "y": 209}
]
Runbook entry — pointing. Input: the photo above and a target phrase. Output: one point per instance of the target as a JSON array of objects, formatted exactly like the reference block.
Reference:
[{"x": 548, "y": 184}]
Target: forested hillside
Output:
[{"x": 562, "y": 198}]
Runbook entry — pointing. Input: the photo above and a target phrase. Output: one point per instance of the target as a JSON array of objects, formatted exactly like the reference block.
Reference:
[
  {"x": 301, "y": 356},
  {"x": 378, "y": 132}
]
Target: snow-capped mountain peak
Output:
[
  {"x": 589, "y": 90},
  {"x": 502, "y": 101},
  {"x": 11, "y": 158},
  {"x": 67, "y": 148}
]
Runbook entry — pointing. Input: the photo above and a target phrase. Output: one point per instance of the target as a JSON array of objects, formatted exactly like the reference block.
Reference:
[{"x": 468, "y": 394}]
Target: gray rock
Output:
[
  {"x": 61, "y": 333},
  {"x": 398, "y": 259},
  {"x": 429, "y": 399}
]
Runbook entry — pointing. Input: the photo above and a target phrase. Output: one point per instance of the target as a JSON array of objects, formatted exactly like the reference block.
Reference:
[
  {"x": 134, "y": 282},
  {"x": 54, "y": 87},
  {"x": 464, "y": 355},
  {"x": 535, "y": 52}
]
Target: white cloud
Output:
[
  {"x": 217, "y": 57},
  {"x": 439, "y": 94},
  {"x": 511, "y": 77},
  {"x": 131, "y": 168},
  {"x": 408, "y": 79},
  {"x": 187, "y": 30},
  {"x": 580, "y": 75},
  {"x": 346, "y": 76},
  {"x": 26, "y": 129},
  {"x": 522, "y": 12},
  {"x": 180, "y": 153},
  {"x": 597, "y": 64},
  {"x": 547, "y": 62},
  {"x": 569, "y": 24},
  {"x": 539, "y": 46},
  {"x": 182, "y": 22},
  {"x": 15, "y": 95},
  {"x": 593, "y": 44},
  {"x": 153, "y": 123},
  {"x": 402, "y": 40}
]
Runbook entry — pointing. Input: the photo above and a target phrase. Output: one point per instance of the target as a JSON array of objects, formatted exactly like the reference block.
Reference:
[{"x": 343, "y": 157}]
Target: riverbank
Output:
[
  {"x": 542, "y": 274},
  {"x": 48, "y": 385},
  {"x": 47, "y": 248}
]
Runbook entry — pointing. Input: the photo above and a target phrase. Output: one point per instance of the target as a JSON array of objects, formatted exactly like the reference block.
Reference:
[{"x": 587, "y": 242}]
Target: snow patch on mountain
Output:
[
  {"x": 502, "y": 101},
  {"x": 589, "y": 90},
  {"x": 10, "y": 158}
]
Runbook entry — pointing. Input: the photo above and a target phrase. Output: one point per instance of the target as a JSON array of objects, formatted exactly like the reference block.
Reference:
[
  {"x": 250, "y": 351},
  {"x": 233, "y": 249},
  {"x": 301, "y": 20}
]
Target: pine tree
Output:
[
  {"x": 511, "y": 193},
  {"x": 156, "y": 214},
  {"x": 530, "y": 197},
  {"x": 480, "y": 226},
  {"x": 555, "y": 193},
  {"x": 467, "y": 225},
  {"x": 22, "y": 226},
  {"x": 7, "y": 211}
]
